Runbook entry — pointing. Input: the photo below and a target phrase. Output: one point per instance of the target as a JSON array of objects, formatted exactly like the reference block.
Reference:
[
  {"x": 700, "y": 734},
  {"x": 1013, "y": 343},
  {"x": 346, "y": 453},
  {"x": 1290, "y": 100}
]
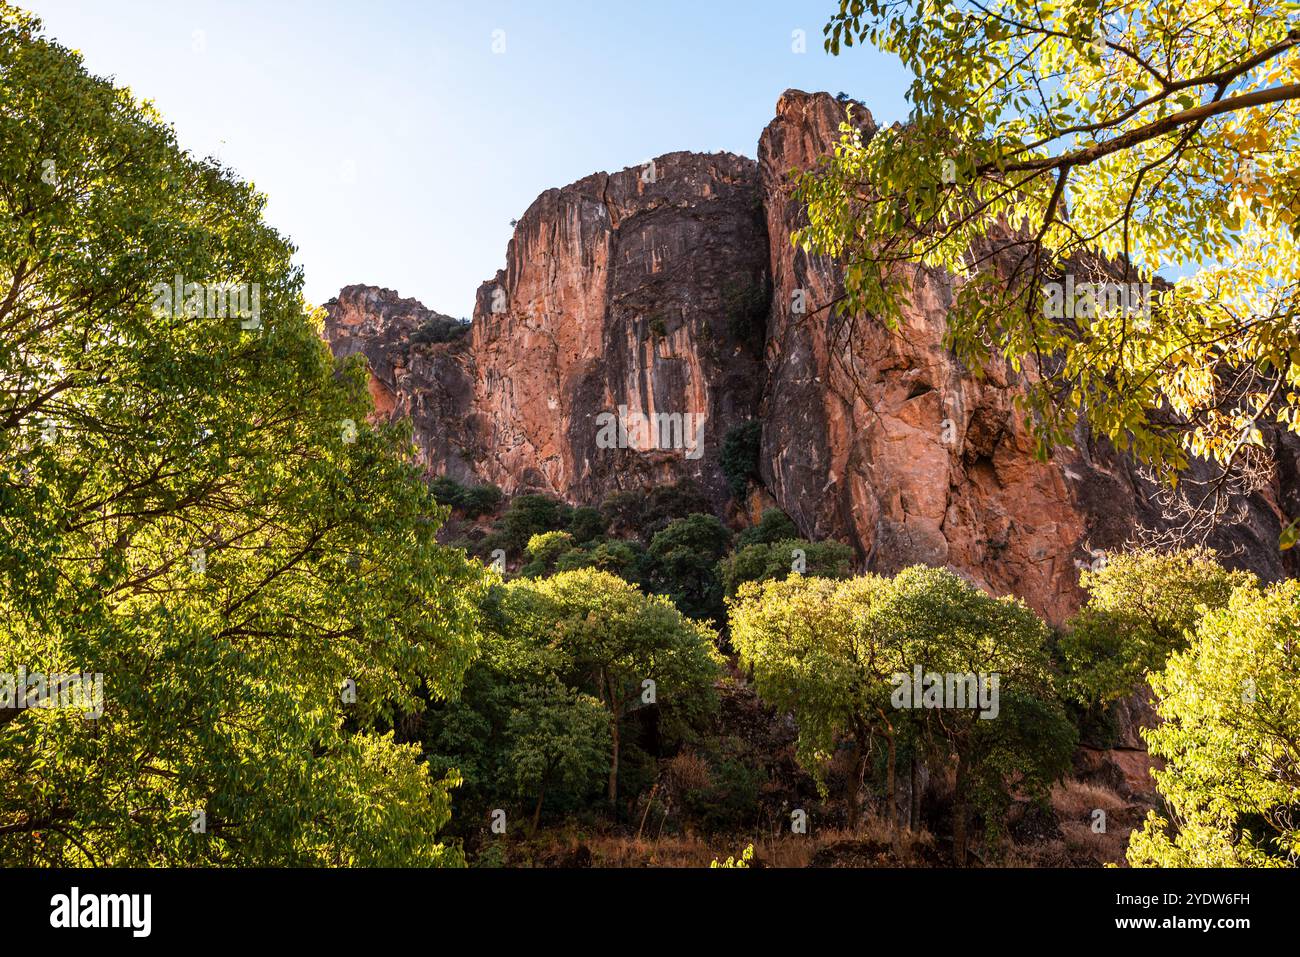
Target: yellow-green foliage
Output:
[
  {"x": 1142, "y": 606},
  {"x": 196, "y": 509},
  {"x": 1230, "y": 736},
  {"x": 746, "y": 856},
  {"x": 1160, "y": 136}
]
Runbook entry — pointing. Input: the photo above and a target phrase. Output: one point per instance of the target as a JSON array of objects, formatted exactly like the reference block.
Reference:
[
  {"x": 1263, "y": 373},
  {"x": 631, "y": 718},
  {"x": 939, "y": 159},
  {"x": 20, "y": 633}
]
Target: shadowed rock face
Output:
[
  {"x": 430, "y": 383},
  {"x": 648, "y": 289}
]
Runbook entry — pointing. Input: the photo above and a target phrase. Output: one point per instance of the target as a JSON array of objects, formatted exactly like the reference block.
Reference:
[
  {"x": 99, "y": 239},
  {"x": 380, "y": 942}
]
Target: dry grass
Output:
[
  {"x": 692, "y": 850},
  {"x": 1075, "y": 800}
]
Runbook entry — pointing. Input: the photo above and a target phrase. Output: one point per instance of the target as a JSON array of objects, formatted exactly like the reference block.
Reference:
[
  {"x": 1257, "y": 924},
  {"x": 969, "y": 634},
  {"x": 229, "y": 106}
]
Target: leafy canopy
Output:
[
  {"x": 196, "y": 510},
  {"x": 1142, "y": 606},
  {"x": 1230, "y": 705},
  {"x": 1086, "y": 141}
]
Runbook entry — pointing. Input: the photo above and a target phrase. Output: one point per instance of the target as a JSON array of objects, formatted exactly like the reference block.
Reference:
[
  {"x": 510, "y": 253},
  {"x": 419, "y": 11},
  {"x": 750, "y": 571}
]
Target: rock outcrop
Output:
[
  {"x": 670, "y": 290},
  {"x": 641, "y": 293}
]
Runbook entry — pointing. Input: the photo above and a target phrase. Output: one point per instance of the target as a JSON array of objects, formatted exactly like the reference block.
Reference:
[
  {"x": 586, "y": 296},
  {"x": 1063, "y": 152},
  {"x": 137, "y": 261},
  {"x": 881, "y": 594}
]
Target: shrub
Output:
[
  {"x": 481, "y": 500},
  {"x": 472, "y": 501},
  {"x": 587, "y": 524},
  {"x": 740, "y": 456},
  {"x": 529, "y": 515},
  {"x": 439, "y": 329},
  {"x": 774, "y": 526},
  {"x": 779, "y": 559}
]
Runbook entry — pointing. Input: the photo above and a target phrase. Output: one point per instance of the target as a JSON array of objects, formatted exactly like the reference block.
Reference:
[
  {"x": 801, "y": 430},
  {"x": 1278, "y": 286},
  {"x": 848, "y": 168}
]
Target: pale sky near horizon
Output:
[{"x": 395, "y": 145}]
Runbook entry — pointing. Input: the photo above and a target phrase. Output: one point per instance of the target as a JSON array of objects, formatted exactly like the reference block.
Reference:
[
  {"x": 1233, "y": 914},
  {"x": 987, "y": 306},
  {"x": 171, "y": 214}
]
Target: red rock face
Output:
[
  {"x": 623, "y": 290},
  {"x": 879, "y": 435},
  {"x": 647, "y": 289},
  {"x": 882, "y": 438},
  {"x": 431, "y": 383}
]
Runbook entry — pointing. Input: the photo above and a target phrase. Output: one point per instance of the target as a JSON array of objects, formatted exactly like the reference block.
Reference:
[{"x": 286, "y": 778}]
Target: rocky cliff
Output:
[{"x": 643, "y": 314}]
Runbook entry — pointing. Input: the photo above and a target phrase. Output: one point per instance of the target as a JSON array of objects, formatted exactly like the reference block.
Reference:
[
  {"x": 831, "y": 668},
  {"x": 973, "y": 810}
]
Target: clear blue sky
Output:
[{"x": 395, "y": 146}]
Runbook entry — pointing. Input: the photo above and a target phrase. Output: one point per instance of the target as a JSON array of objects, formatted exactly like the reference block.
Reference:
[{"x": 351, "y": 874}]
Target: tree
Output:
[
  {"x": 544, "y": 549},
  {"x": 556, "y": 736},
  {"x": 952, "y": 629},
  {"x": 1142, "y": 606},
  {"x": 805, "y": 642},
  {"x": 1231, "y": 739},
  {"x": 782, "y": 558},
  {"x": 193, "y": 507},
  {"x": 837, "y": 654},
  {"x": 473, "y": 501},
  {"x": 741, "y": 449},
  {"x": 587, "y": 524},
  {"x": 617, "y": 644},
  {"x": 683, "y": 564},
  {"x": 644, "y": 513},
  {"x": 1056, "y": 154},
  {"x": 529, "y": 515},
  {"x": 620, "y": 558},
  {"x": 773, "y": 526}
]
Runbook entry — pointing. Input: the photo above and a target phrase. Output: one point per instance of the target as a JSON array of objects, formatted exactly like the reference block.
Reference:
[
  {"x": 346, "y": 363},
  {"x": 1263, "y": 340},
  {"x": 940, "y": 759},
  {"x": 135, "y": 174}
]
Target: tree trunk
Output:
[
  {"x": 891, "y": 790},
  {"x": 855, "y": 801},
  {"x": 613, "y": 764},
  {"x": 891, "y": 783},
  {"x": 959, "y": 815},
  {"x": 537, "y": 811},
  {"x": 913, "y": 796},
  {"x": 615, "y": 713}
]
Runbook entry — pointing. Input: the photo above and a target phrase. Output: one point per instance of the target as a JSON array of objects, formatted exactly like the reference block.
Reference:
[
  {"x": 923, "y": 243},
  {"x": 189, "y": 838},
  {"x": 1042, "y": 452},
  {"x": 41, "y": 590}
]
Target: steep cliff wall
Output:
[
  {"x": 648, "y": 290},
  {"x": 882, "y": 438},
  {"x": 623, "y": 290}
]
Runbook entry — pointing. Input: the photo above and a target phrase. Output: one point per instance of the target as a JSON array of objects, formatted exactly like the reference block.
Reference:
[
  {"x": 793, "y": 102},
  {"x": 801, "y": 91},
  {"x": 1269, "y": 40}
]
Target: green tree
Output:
[
  {"x": 774, "y": 526},
  {"x": 684, "y": 564},
  {"x": 587, "y": 524},
  {"x": 1055, "y": 147},
  {"x": 1142, "y": 606},
  {"x": 951, "y": 628},
  {"x": 529, "y": 515},
  {"x": 544, "y": 549},
  {"x": 481, "y": 500},
  {"x": 1231, "y": 740},
  {"x": 618, "y": 644},
  {"x": 644, "y": 513},
  {"x": 557, "y": 736},
  {"x": 621, "y": 558},
  {"x": 193, "y": 506},
  {"x": 805, "y": 642},
  {"x": 782, "y": 558},
  {"x": 835, "y": 653}
]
